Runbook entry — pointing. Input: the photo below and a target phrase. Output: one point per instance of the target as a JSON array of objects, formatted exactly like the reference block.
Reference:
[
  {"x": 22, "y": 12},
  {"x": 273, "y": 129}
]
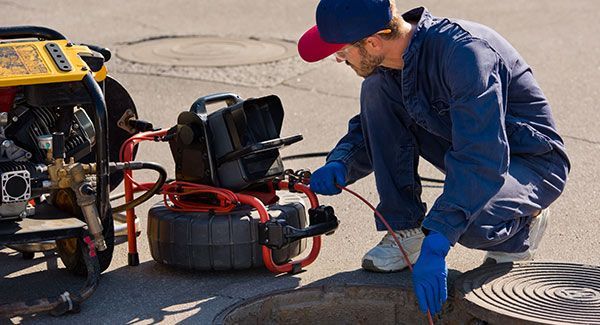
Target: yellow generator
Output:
[{"x": 59, "y": 114}]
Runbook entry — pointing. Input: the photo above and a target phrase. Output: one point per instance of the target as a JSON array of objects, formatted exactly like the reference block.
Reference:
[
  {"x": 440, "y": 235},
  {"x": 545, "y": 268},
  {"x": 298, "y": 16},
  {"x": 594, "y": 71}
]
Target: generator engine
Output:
[
  {"x": 26, "y": 147},
  {"x": 62, "y": 120}
]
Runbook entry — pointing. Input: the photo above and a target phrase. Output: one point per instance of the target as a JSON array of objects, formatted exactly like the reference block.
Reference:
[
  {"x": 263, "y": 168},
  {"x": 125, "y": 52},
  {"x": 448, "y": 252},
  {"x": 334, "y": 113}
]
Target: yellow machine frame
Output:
[{"x": 30, "y": 63}]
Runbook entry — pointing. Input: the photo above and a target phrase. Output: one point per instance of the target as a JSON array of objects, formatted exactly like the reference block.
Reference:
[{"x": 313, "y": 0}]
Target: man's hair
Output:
[{"x": 395, "y": 24}]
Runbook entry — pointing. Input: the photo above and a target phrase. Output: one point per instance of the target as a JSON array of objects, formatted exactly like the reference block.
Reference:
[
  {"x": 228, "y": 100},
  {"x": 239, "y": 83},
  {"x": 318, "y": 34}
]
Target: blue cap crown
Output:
[{"x": 348, "y": 21}]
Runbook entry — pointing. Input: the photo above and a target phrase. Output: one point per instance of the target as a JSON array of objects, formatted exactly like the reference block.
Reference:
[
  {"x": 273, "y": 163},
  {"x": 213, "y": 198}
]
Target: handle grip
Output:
[
  {"x": 199, "y": 106},
  {"x": 259, "y": 147},
  {"x": 106, "y": 53},
  {"x": 44, "y": 33}
]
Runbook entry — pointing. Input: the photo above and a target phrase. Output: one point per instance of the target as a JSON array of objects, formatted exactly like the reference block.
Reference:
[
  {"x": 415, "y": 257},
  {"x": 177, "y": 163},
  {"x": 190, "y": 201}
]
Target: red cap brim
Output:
[{"x": 312, "y": 47}]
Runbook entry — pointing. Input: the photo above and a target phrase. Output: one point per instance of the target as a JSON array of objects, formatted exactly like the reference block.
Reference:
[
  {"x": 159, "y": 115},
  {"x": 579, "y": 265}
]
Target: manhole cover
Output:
[
  {"x": 207, "y": 51},
  {"x": 534, "y": 292},
  {"x": 343, "y": 304}
]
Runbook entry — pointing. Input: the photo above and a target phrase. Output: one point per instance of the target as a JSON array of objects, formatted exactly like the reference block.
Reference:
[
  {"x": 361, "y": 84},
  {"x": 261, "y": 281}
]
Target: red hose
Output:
[
  {"x": 175, "y": 190},
  {"x": 391, "y": 231}
]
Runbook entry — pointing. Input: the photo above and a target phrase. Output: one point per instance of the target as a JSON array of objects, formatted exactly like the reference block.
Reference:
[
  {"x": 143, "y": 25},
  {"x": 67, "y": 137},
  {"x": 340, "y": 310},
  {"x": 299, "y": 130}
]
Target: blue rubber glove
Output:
[
  {"x": 430, "y": 273},
  {"x": 323, "y": 180}
]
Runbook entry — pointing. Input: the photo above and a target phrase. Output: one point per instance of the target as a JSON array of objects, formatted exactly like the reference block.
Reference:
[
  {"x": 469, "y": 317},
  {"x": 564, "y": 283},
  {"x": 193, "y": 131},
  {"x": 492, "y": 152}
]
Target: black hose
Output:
[
  {"x": 306, "y": 155},
  {"x": 432, "y": 180},
  {"x": 122, "y": 194},
  {"x": 157, "y": 187},
  {"x": 59, "y": 305},
  {"x": 325, "y": 153},
  {"x": 100, "y": 125}
]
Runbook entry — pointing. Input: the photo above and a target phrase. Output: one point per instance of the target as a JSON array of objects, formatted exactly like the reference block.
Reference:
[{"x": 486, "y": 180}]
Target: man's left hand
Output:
[{"x": 430, "y": 273}]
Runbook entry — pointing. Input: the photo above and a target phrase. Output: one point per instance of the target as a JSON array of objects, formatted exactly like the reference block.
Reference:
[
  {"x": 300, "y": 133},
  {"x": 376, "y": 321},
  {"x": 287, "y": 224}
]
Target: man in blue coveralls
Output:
[{"x": 459, "y": 95}]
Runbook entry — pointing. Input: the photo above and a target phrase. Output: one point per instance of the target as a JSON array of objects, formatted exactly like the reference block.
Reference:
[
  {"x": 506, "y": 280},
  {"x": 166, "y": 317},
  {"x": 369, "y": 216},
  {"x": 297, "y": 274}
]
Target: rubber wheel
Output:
[{"x": 70, "y": 250}]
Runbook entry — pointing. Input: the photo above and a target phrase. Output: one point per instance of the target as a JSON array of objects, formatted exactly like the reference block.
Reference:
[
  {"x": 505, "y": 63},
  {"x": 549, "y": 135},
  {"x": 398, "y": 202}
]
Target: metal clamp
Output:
[{"x": 277, "y": 233}]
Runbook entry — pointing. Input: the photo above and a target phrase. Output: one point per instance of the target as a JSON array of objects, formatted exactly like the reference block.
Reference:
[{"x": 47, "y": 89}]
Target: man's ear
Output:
[{"x": 374, "y": 45}]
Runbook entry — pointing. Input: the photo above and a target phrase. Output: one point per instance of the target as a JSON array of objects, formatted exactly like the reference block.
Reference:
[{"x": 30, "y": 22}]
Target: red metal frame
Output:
[
  {"x": 126, "y": 154},
  {"x": 264, "y": 217}
]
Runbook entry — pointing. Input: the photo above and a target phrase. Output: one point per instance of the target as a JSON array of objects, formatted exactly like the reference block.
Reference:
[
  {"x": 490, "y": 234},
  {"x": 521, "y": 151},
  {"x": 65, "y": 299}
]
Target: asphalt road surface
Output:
[{"x": 559, "y": 39}]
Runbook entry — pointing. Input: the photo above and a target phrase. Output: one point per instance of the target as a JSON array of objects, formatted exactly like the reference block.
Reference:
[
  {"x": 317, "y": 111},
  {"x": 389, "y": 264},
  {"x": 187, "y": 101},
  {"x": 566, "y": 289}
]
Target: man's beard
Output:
[{"x": 368, "y": 63}]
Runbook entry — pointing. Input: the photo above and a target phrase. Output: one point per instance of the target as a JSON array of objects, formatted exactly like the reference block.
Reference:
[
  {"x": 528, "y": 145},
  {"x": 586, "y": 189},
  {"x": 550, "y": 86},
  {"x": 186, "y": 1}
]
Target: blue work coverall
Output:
[{"x": 468, "y": 103}]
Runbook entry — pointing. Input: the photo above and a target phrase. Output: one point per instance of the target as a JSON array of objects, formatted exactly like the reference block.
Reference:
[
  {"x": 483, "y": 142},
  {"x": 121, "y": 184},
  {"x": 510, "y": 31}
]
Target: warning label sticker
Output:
[{"x": 21, "y": 60}]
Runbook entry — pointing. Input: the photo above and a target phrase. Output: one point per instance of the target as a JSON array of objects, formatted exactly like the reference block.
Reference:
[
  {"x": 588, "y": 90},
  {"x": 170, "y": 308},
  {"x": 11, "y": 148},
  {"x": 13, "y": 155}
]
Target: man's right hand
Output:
[{"x": 324, "y": 179}]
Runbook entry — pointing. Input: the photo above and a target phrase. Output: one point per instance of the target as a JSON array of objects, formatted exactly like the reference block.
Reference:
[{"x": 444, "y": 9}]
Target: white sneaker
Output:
[
  {"x": 387, "y": 257},
  {"x": 536, "y": 232}
]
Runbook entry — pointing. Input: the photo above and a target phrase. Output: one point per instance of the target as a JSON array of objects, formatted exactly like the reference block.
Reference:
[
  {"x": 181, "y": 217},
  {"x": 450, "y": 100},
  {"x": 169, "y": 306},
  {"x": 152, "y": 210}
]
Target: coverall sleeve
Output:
[
  {"x": 477, "y": 162},
  {"x": 352, "y": 152}
]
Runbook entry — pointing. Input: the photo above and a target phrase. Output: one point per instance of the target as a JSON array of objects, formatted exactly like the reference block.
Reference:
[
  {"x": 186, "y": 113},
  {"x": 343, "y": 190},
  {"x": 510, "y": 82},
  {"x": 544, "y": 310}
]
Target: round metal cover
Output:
[
  {"x": 207, "y": 51},
  {"x": 531, "y": 292}
]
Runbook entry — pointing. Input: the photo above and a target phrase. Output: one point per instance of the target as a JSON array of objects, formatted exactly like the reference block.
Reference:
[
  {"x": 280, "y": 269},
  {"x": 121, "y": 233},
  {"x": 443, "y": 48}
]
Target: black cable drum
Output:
[
  {"x": 531, "y": 293},
  {"x": 204, "y": 241}
]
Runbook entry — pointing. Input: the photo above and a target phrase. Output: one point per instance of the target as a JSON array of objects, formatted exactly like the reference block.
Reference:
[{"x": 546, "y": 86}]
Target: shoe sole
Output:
[{"x": 369, "y": 266}]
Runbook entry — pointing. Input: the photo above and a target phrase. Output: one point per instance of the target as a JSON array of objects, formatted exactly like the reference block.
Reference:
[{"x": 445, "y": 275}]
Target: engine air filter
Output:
[{"x": 531, "y": 292}]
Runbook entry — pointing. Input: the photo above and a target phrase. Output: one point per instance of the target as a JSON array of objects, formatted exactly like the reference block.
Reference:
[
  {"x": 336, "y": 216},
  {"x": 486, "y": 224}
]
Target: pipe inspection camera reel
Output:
[
  {"x": 222, "y": 211},
  {"x": 233, "y": 205}
]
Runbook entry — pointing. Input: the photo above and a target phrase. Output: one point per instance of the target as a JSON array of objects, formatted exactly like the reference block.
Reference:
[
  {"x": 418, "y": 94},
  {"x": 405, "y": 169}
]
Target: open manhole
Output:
[
  {"x": 207, "y": 51},
  {"x": 531, "y": 293},
  {"x": 344, "y": 304},
  {"x": 520, "y": 293}
]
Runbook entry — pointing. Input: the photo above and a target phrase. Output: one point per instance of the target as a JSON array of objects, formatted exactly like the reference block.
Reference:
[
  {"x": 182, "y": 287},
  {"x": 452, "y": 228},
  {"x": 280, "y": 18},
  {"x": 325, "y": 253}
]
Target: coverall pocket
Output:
[
  {"x": 440, "y": 106},
  {"x": 524, "y": 139}
]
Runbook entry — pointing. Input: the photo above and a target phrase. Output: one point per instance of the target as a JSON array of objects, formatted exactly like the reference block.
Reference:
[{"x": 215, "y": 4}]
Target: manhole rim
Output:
[
  {"x": 290, "y": 46},
  {"x": 219, "y": 319}
]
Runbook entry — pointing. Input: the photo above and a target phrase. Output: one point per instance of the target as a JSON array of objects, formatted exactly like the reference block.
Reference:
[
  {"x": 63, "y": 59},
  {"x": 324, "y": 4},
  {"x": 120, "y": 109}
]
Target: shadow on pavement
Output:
[
  {"x": 154, "y": 293},
  {"x": 148, "y": 293},
  {"x": 12, "y": 261}
]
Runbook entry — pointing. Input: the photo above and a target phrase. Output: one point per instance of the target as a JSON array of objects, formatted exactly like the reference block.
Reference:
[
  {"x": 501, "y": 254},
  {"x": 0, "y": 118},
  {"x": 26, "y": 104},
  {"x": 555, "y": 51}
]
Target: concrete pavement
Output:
[{"x": 559, "y": 39}]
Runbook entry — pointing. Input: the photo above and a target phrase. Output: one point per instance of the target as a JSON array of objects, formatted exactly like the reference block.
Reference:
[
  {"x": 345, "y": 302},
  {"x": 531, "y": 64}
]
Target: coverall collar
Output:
[{"x": 423, "y": 20}]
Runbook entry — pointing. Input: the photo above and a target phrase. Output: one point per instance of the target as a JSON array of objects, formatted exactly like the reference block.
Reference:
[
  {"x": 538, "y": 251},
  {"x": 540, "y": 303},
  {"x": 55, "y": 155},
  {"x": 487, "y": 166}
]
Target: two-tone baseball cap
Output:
[{"x": 342, "y": 22}]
